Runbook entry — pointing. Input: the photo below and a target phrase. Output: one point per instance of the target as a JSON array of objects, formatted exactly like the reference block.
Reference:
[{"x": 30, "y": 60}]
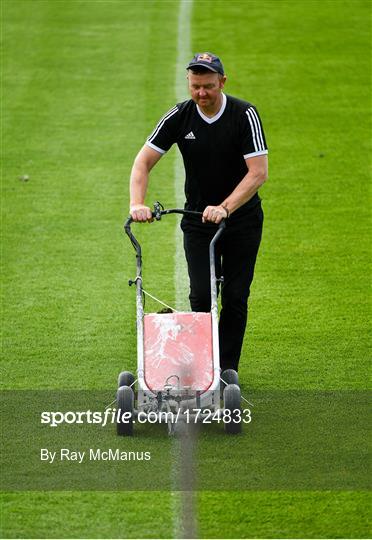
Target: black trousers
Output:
[{"x": 236, "y": 253}]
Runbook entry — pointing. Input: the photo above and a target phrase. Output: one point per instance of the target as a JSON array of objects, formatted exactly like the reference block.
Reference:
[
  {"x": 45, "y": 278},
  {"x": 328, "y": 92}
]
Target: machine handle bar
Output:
[{"x": 157, "y": 214}]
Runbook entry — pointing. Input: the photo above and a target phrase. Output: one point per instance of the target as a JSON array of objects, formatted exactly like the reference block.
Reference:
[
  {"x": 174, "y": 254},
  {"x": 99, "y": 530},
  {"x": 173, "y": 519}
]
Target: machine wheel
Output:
[
  {"x": 230, "y": 376},
  {"x": 126, "y": 378},
  {"x": 125, "y": 402},
  {"x": 231, "y": 403}
]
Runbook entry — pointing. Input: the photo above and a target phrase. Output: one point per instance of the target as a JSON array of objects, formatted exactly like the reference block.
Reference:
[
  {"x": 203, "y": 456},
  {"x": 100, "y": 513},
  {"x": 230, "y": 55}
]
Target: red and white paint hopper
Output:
[{"x": 178, "y": 366}]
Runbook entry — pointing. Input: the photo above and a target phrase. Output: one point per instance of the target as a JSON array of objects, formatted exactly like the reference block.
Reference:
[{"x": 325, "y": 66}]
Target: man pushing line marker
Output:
[{"x": 224, "y": 150}]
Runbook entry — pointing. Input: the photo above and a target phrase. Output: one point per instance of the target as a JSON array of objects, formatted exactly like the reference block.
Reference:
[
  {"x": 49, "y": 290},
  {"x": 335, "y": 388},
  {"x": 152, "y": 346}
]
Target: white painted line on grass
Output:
[
  {"x": 183, "y": 57},
  {"x": 178, "y": 498}
]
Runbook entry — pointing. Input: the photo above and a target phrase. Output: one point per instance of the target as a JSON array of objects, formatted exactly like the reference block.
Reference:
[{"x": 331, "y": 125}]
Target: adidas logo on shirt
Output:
[{"x": 190, "y": 136}]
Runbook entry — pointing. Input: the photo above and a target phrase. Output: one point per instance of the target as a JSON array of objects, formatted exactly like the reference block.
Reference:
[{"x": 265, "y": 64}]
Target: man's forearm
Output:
[
  {"x": 139, "y": 180},
  {"x": 245, "y": 190}
]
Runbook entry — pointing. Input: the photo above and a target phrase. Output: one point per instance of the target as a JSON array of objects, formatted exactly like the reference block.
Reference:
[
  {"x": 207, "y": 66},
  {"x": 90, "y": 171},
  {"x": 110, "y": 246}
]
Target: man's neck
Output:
[{"x": 212, "y": 111}]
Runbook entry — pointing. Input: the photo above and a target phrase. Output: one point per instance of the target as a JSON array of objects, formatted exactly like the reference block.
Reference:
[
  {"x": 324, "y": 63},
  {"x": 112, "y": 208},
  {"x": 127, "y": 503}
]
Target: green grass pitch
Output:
[{"x": 83, "y": 84}]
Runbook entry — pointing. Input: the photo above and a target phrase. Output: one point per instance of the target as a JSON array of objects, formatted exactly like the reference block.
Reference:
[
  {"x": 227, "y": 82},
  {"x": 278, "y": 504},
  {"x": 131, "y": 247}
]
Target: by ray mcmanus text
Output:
[{"x": 92, "y": 454}]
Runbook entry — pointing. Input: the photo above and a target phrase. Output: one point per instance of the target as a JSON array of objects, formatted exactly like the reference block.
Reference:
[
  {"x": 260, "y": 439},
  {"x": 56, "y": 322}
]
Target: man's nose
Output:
[{"x": 202, "y": 92}]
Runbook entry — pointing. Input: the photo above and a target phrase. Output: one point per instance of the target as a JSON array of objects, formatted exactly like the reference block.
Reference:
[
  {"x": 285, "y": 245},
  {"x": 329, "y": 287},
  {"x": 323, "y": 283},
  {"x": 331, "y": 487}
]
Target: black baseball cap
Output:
[{"x": 207, "y": 60}]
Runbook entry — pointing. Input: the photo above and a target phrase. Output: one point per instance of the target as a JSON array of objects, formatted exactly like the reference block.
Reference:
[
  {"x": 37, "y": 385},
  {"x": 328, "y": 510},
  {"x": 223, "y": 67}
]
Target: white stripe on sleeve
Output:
[
  {"x": 161, "y": 123},
  {"x": 253, "y": 130},
  {"x": 254, "y": 154},
  {"x": 259, "y": 130},
  {"x": 154, "y": 147}
]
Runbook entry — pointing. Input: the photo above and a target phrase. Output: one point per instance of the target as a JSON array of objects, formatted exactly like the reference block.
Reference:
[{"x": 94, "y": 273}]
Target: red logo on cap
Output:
[{"x": 205, "y": 57}]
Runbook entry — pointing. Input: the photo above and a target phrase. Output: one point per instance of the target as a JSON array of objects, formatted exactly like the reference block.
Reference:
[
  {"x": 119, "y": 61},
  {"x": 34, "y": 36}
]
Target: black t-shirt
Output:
[{"x": 213, "y": 149}]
